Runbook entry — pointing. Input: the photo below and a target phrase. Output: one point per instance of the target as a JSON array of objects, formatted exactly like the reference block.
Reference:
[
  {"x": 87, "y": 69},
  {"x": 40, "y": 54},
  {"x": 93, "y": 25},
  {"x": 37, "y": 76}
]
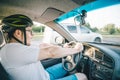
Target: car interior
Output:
[{"x": 99, "y": 61}]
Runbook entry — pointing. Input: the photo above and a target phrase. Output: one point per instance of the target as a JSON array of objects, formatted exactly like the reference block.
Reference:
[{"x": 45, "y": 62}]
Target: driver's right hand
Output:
[{"x": 76, "y": 45}]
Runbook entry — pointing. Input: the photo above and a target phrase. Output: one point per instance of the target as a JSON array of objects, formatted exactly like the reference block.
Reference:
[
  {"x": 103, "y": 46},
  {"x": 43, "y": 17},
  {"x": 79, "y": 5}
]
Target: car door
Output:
[
  {"x": 85, "y": 34},
  {"x": 72, "y": 30}
]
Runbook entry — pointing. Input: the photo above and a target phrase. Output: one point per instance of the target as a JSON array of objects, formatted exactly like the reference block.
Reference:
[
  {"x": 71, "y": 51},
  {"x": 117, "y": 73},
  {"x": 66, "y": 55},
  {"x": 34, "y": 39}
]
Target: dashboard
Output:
[
  {"x": 97, "y": 56},
  {"x": 102, "y": 61}
]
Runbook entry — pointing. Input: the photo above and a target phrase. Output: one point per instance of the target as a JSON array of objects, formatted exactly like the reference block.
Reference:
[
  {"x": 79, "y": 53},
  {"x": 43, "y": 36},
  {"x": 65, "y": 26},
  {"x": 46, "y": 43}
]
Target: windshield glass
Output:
[{"x": 102, "y": 24}]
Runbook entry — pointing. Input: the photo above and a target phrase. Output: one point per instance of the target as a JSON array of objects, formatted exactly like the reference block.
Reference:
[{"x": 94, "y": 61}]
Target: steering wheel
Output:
[{"x": 70, "y": 62}]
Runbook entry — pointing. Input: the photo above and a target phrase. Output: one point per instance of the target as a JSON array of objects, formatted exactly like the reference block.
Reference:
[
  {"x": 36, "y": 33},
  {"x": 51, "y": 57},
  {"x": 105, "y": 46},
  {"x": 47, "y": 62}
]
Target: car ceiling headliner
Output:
[{"x": 39, "y": 10}]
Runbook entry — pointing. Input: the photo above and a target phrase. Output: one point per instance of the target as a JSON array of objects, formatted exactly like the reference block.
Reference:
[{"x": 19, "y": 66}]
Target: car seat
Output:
[{"x": 3, "y": 74}]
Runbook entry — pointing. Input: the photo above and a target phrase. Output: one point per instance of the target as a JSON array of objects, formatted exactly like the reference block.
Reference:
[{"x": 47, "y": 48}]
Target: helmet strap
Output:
[
  {"x": 17, "y": 40},
  {"x": 25, "y": 41}
]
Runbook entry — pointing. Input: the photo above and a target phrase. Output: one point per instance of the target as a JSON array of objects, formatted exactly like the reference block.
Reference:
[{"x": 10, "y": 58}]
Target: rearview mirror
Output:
[{"x": 80, "y": 19}]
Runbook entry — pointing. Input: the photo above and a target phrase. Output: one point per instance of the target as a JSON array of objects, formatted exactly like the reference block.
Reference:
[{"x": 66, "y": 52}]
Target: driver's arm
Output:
[{"x": 53, "y": 51}]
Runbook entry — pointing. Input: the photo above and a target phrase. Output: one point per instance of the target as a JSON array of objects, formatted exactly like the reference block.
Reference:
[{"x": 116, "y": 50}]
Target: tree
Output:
[
  {"x": 110, "y": 28},
  {"x": 95, "y": 29},
  {"x": 88, "y": 25},
  {"x": 118, "y": 30},
  {"x": 38, "y": 29}
]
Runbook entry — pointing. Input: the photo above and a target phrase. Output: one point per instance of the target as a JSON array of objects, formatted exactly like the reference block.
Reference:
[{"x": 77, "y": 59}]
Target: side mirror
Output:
[{"x": 59, "y": 40}]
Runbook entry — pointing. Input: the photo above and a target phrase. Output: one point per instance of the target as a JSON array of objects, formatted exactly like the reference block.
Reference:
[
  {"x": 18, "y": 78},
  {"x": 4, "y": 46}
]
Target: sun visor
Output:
[{"x": 50, "y": 14}]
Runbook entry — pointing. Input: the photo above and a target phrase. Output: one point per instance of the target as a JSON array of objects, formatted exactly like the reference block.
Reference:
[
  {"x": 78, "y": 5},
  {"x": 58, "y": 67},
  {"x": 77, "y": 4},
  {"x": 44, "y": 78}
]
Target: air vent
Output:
[{"x": 108, "y": 61}]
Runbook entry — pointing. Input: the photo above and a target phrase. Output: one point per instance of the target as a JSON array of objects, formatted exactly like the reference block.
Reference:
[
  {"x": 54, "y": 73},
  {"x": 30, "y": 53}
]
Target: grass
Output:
[
  {"x": 112, "y": 36},
  {"x": 38, "y": 36},
  {"x": 106, "y": 34}
]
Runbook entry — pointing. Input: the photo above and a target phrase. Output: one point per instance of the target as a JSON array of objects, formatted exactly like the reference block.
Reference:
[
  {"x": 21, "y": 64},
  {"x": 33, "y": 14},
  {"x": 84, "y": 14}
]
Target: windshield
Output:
[
  {"x": 102, "y": 23},
  {"x": 97, "y": 21}
]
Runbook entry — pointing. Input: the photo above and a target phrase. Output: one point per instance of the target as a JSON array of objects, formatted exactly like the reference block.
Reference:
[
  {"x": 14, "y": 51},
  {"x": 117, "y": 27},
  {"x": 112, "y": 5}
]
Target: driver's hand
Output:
[{"x": 76, "y": 45}]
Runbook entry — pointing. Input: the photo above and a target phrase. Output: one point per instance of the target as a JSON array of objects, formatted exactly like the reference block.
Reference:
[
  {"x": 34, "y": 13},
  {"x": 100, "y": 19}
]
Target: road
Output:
[{"x": 115, "y": 40}]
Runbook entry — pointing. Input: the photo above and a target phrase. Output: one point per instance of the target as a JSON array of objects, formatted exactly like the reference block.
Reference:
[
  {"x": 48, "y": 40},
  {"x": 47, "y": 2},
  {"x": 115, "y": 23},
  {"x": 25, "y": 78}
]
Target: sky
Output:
[{"x": 101, "y": 17}]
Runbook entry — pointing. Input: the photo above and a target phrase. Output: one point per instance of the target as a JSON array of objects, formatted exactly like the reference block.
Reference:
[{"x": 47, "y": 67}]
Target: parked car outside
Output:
[{"x": 80, "y": 33}]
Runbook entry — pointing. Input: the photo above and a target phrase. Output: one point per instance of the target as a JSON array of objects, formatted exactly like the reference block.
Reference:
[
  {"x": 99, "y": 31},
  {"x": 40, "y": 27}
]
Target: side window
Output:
[
  {"x": 72, "y": 29},
  {"x": 84, "y": 30}
]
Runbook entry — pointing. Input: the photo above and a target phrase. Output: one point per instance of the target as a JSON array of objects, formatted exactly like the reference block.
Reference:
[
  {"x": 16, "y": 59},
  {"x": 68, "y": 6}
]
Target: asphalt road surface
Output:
[{"x": 115, "y": 40}]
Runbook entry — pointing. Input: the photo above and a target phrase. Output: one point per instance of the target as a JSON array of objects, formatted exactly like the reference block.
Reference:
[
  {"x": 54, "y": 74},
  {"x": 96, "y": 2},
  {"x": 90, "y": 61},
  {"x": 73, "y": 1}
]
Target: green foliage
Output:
[
  {"x": 38, "y": 29},
  {"x": 107, "y": 29},
  {"x": 95, "y": 29},
  {"x": 118, "y": 30},
  {"x": 88, "y": 25},
  {"x": 110, "y": 28}
]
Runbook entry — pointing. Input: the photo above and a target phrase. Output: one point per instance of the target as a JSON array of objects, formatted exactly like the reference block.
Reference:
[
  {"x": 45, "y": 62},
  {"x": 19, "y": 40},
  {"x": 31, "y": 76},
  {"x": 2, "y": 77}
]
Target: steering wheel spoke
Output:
[{"x": 70, "y": 62}]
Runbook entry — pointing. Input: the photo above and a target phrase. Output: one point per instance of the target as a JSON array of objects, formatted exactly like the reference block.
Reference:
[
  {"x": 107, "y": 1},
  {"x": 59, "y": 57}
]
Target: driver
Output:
[{"x": 22, "y": 61}]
